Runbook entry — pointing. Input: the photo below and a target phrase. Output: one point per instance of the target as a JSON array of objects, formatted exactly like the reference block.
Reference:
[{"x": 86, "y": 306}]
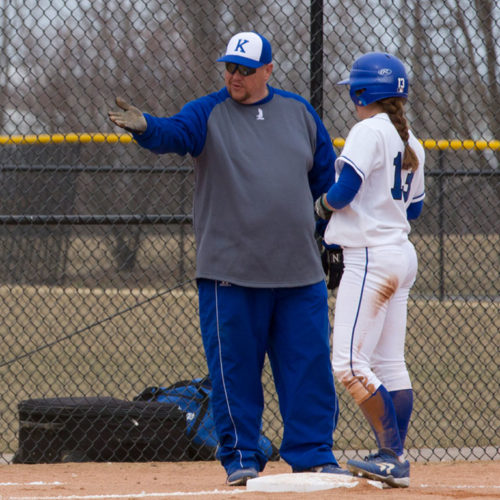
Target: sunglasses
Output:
[{"x": 242, "y": 70}]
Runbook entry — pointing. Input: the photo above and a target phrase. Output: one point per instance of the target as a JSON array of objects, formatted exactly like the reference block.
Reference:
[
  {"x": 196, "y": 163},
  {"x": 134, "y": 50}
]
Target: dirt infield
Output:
[{"x": 93, "y": 481}]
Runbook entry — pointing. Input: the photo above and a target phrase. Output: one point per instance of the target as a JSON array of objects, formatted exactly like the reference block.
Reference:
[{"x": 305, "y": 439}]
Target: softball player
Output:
[{"x": 380, "y": 187}]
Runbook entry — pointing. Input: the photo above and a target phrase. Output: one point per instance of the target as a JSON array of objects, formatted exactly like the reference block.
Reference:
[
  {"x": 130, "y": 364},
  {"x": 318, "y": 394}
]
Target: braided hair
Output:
[{"x": 393, "y": 106}]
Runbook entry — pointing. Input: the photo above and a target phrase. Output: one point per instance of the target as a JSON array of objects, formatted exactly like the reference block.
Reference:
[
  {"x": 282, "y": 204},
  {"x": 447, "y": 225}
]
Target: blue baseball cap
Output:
[{"x": 248, "y": 49}]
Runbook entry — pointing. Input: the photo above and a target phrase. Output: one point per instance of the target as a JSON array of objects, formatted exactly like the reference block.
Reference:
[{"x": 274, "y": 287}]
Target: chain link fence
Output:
[{"x": 98, "y": 298}]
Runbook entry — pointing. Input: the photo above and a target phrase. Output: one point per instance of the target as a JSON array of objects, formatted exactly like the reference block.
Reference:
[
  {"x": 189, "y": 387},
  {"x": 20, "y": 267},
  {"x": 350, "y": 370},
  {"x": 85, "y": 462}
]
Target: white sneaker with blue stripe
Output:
[{"x": 383, "y": 466}]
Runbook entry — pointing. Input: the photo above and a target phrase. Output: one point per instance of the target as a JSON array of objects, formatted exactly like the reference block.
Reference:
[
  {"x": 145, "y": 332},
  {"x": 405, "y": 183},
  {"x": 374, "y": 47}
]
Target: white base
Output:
[{"x": 300, "y": 482}]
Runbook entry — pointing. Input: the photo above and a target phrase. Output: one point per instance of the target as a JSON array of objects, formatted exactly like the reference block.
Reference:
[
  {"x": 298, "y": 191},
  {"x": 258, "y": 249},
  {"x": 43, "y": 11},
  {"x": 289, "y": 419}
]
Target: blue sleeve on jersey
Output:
[
  {"x": 182, "y": 133},
  {"x": 414, "y": 210},
  {"x": 322, "y": 174},
  {"x": 345, "y": 189}
]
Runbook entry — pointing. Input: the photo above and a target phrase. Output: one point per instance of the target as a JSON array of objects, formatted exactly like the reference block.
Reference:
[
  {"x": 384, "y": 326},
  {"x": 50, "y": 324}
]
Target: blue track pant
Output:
[{"x": 239, "y": 326}]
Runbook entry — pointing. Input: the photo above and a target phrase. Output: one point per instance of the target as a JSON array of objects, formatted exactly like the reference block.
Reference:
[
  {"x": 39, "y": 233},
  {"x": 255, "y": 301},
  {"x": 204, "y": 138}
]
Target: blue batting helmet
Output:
[{"x": 375, "y": 76}]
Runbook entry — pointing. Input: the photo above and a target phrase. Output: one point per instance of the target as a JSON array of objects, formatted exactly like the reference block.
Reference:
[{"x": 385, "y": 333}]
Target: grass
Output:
[{"x": 77, "y": 341}]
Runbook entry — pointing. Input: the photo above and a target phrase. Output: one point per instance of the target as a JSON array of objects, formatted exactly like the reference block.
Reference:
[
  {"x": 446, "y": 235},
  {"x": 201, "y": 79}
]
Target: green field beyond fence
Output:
[{"x": 115, "y": 342}]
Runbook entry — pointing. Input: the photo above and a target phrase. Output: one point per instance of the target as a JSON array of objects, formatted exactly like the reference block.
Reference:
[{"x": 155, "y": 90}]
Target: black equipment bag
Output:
[{"x": 99, "y": 429}]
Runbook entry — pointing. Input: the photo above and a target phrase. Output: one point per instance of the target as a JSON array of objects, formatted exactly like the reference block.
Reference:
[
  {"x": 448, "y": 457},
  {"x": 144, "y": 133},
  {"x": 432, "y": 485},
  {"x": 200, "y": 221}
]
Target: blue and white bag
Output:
[{"x": 193, "y": 398}]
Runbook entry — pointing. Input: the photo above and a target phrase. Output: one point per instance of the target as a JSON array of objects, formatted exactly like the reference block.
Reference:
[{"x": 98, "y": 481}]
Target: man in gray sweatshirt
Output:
[{"x": 262, "y": 156}]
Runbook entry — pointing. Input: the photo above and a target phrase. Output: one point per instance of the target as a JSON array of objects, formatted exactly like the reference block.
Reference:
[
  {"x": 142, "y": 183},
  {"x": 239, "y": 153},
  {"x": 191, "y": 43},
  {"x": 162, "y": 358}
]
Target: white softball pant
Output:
[{"x": 370, "y": 319}]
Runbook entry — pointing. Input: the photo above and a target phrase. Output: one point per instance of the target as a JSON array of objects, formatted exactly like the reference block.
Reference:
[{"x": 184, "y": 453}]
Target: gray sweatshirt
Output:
[{"x": 258, "y": 169}]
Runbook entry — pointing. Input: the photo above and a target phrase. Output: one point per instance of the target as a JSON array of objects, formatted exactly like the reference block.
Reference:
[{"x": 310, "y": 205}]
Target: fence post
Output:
[
  {"x": 441, "y": 222},
  {"x": 316, "y": 69}
]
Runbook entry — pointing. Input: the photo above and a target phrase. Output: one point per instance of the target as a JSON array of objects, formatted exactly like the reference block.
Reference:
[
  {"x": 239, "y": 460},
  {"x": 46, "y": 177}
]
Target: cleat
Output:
[
  {"x": 327, "y": 469},
  {"x": 383, "y": 466},
  {"x": 240, "y": 476}
]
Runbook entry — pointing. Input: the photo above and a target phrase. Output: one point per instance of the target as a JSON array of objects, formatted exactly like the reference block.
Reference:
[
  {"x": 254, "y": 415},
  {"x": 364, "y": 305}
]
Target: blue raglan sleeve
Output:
[
  {"x": 345, "y": 189},
  {"x": 322, "y": 175},
  {"x": 183, "y": 133}
]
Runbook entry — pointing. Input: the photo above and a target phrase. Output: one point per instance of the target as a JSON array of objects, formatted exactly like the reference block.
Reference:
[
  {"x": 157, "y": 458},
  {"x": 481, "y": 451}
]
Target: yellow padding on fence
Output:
[
  {"x": 71, "y": 138},
  {"x": 338, "y": 142},
  {"x": 443, "y": 144}
]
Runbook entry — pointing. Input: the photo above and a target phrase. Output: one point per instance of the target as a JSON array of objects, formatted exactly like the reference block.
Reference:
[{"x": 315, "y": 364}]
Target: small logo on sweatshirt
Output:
[{"x": 260, "y": 114}]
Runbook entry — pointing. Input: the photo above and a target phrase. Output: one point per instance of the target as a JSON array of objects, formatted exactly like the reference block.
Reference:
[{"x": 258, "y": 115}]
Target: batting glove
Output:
[{"x": 321, "y": 209}]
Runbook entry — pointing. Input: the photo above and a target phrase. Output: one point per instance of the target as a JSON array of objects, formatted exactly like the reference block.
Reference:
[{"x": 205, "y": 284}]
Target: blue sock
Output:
[
  {"x": 379, "y": 410},
  {"x": 403, "y": 405}
]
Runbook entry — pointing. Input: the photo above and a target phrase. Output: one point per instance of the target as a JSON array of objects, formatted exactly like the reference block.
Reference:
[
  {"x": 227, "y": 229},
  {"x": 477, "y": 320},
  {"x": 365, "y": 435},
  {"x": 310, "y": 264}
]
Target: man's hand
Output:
[{"x": 130, "y": 118}]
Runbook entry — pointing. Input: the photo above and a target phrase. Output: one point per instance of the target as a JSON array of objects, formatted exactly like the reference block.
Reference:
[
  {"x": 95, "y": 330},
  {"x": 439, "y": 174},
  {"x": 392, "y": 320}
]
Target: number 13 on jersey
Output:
[{"x": 401, "y": 188}]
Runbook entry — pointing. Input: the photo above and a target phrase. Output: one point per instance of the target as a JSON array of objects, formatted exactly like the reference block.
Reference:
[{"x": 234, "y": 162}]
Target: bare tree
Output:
[{"x": 451, "y": 49}]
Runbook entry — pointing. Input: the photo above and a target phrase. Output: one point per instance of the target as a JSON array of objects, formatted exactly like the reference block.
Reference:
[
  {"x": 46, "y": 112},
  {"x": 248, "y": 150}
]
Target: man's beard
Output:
[{"x": 243, "y": 97}]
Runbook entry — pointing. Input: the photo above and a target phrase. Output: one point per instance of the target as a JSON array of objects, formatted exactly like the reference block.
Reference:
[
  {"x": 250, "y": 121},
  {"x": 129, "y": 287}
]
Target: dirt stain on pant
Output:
[
  {"x": 384, "y": 293},
  {"x": 358, "y": 388}
]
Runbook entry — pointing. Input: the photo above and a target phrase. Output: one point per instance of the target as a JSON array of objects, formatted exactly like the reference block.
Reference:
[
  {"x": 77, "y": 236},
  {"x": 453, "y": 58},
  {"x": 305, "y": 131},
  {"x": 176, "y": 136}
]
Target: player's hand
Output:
[
  {"x": 322, "y": 209},
  {"x": 333, "y": 265},
  {"x": 129, "y": 117}
]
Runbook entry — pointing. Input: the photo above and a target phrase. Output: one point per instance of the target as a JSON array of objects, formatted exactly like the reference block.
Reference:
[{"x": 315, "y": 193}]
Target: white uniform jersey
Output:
[{"x": 377, "y": 214}]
